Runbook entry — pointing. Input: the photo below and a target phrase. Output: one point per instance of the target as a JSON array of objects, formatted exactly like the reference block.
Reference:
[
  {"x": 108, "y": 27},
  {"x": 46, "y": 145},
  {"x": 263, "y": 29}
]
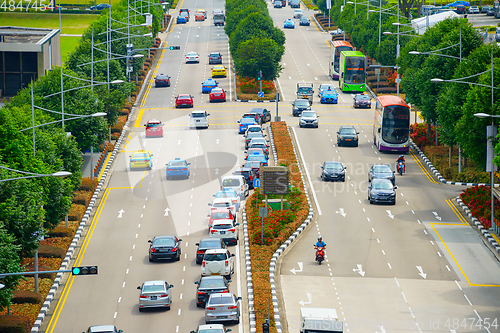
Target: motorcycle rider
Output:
[
  {"x": 401, "y": 158},
  {"x": 320, "y": 243}
]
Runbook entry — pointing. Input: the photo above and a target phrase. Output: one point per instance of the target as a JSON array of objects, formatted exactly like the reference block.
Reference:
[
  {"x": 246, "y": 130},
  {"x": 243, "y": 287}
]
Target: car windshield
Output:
[
  {"x": 154, "y": 125},
  {"x": 305, "y": 90},
  {"x": 221, "y": 205},
  {"x": 382, "y": 169},
  {"x": 156, "y": 288},
  {"x": 184, "y": 97},
  {"x": 301, "y": 102},
  {"x": 225, "y": 194},
  {"x": 192, "y": 54},
  {"x": 348, "y": 131},
  {"x": 326, "y": 86},
  {"x": 212, "y": 283},
  {"x": 255, "y": 129},
  {"x": 220, "y": 215},
  {"x": 231, "y": 182},
  {"x": 304, "y": 19},
  {"x": 183, "y": 14},
  {"x": 363, "y": 97},
  {"x": 222, "y": 226},
  {"x": 214, "y": 55},
  {"x": 210, "y": 244},
  {"x": 140, "y": 155},
  {"x": 382, "y": 185},
  {"x": 221, "y": 300},
  {"x": 258, "y": 141},
  {"x": 215, "y": 256},
  {"x": 198, "y": 115},
  {"x": 247, "y": 121},
  {"x": 252, "y": 164},
  {"x": 177, "y": 164},
  {"x": 256, "y": 158},
  {"x": 258, "y": 145},
  {"x": 164, "y": 242},
  {"x": 217, "y": 90},
  {"x": 333, "y": 165},
  {"x": 308, "y": 114}
]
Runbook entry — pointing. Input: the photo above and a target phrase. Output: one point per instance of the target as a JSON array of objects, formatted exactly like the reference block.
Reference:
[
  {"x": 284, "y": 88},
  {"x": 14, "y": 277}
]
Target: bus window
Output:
[
  {"x": 395, "y": 124},
  {"x": 336, "y": 58}
]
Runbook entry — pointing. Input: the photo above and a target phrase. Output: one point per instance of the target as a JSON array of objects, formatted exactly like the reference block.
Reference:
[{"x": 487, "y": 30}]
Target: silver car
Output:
[
  {"x": 155, "y": 294},
  {"x": 103, "y": 329},
  {"x": 214, "y": 328},
  {"x": 223, "y": 307},
  {"x": 308, "y": 119}
]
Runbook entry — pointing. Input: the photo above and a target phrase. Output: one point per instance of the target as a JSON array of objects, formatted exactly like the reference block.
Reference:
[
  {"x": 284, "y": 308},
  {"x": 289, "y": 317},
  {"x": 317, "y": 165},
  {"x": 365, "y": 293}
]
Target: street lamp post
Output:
[{"x": 484, "y": 115}]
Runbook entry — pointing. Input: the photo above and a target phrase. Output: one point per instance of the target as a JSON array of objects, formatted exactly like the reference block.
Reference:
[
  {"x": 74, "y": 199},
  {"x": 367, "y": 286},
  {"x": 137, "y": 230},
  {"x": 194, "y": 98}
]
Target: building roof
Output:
[{"x": 24, "y": 39}]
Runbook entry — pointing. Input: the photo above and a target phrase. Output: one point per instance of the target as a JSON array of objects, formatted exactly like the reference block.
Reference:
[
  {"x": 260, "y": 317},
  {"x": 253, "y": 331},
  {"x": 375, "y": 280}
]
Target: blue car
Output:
[
  {"x": 178, "y": 168},
  {"x": 257, "y": 158},
  {"x": 208, "y": 85},
  {"x": 244, "y": 123},
  {"x": 329, "y": 96},
  {"x": 289, "y": 24},
  {"x": 182, "y": 18}
]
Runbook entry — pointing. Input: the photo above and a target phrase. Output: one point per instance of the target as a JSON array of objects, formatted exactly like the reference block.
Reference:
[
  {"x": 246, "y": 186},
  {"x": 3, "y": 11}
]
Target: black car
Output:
[
  {"x": 208, "y": 285},
  {"x": 208, "y": 244},
  {"x": 382, "y": 190},
  {"x": 249, "y": 175},
  {"x": 214, "y": 58},
  {"x": 381, "y": 171},
  {"x": 333, "y": 171},
  {"x": 164, "y": 247},
  {"x": 254, "y": 165},
  {"x": 347, "y": 135},
  {"x": 162, "y": 80},
  {"x": 362, "y": 101},
  {"x": 264, "y": 114},
  {"x": 100, "y": 6},
  {"x": 300, "y": 105},
  {"x": 305, "y": 21}
]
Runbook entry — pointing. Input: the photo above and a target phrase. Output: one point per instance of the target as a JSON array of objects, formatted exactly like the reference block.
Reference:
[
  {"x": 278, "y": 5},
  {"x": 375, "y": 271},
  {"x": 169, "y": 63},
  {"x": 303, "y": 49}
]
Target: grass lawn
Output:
[
  {"x": 68, "y": 44},
  {"x": 71, "y": 23}
]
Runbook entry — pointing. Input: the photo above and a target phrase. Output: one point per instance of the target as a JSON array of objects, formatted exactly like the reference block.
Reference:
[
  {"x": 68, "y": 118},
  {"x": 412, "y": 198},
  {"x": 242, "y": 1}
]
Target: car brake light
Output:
[
  {"x": 153, "y": 250},
  {"x": 201, "y": 293},
  {"x": 174, "y": 249},
  {"x": 164, "y": 295},
  {"x": 213, "y": 231},
  {"x": 232, "y": 307},
  {"x": 232, "y": 230},
  {"x": 200, "y": 252},
  {"x": 223, "y": 291},
  {"x": 227, "y": 262},
  {"x": 203, "y": 263},
  {"x": 143, "y": 296},
  {"x": 210, "y": 308}
]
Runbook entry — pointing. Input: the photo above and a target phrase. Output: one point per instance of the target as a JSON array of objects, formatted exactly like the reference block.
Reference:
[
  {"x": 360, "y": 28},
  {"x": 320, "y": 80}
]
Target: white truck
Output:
[{"x": 320, "y": 320}]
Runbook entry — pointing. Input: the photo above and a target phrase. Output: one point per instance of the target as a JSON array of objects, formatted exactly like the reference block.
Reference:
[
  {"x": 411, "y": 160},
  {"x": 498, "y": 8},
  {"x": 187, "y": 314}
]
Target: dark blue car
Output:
[
  {"x": 178, "y": 168},
  {"x": 244, "y": 123}
]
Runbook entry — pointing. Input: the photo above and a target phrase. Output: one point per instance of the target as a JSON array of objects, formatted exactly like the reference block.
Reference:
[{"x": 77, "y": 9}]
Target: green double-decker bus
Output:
[{"x": 352, "y": 71}]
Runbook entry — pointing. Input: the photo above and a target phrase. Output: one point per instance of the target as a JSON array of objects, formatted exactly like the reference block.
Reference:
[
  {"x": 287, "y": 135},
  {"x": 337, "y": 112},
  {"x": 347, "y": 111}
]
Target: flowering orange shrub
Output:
[
  {"x": 419, "y": 135},
  {"x": 248, "y": 85},
  {"x": 278, "y": 226}
]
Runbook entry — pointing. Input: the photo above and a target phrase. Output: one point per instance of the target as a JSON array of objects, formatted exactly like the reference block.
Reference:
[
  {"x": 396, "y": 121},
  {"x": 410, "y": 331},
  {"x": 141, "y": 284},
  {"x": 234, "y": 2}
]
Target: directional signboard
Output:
[{"x": 274, "y": 180}]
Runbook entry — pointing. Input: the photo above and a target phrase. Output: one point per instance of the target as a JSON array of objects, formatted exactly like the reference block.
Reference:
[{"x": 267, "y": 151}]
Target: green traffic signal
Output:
[
  {"x": 175, "y": 47},
  {"x": 84, "y": 270},
  {"x": 76, "y": 270}
]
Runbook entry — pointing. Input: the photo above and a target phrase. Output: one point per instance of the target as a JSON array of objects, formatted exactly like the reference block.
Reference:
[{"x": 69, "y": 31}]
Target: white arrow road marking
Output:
[
  {"x": 166, "y": 211},
  {"x": 120, "y": 213},
  {"x": 359, "y": 270},
  {"x": 437, "y": 216},
  {"x": 309, "y": 296},
  {"x": 216, "y": 171},
  {"x": 421, "y": 272},
  {"x": 217, "y": 141},
  {"x": 179, "y": 142},
  {"x": 341, "y": 212},
  {"x": 293, "y": 270},
  {"x": 382, "y": 329},
  {"x": 390, "y": 215}
]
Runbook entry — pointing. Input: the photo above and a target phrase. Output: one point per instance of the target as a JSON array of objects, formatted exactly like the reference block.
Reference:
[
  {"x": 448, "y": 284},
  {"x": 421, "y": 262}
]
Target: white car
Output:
[
  {"x": 192, "y": 57},
  {"x": 237, "y": 183},
  {"x": 308, "y": 119},
  {"x": 298, "y": 13},
  {"x": 229, "y": 193},
  {"x": 218, "y": 262},
  {"x": 225, "y": 230},
  {"x": 220, "y": 203},
  {"x": 253, "y": 128},
  {"x": 473, "y": 10}
]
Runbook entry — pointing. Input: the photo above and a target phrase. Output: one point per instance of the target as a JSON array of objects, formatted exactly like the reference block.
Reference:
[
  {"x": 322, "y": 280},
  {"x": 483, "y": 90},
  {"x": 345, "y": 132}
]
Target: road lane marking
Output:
[{"x": 422, "y": 167}]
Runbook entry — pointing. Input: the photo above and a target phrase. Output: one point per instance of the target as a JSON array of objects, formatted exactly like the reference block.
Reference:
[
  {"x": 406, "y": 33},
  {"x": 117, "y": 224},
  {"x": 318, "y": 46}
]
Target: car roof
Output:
[
  {"x": 346, "y": 126},
  {"x": 154, "y": 121},
  {"x": 381, "y": 180},
  {"x": 220, "y": 295},
  {"x": 223, "y": 221},
  {"x": 211, "y": 81},
  {"x": 217, "y": 200},
  {"x": 219, "y": 210},
  {"x": 212, "y": 277},
  {"x": 184, "y": 96},
  {"x": 243, "y": 169},
  {"x": 219, "y": 66},
  {"x": 154, "y": 283},
  {"x": 210, "y": 326},
  {"x": 247, "y": 120},
  {"x": 102, "y": 328},
  {"x": 211, "y": 251},
  {"x": 202, "y": 111},
  {"x": 231, "y": 177},
  {"x": 217, "y": 89},
  {"x": 165, "y": 237}
]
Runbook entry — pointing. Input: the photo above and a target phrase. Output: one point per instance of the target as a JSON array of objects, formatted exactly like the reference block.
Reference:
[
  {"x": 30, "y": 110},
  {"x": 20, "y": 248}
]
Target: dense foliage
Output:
[{"x": 255, "y": 43}]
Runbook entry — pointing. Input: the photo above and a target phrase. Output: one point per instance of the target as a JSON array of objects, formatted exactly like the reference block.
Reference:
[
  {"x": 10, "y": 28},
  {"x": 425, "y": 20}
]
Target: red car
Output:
[
  {"x": 162, "y": 80},
  {"x": 251, "y": 151},
  {"x": 154, "y": 128},
  {"x": 217, "y": 94},
  {"x": 184, "y": 100},
  {"x": 220, "y": 214}
]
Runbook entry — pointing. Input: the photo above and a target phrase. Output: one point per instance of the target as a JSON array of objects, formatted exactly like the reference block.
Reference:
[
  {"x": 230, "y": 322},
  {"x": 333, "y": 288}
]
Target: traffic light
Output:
[
  {"x": 265, "y": 326},
  {"x": 84, "y": 270},
  {"x": 175, "y": 47}
]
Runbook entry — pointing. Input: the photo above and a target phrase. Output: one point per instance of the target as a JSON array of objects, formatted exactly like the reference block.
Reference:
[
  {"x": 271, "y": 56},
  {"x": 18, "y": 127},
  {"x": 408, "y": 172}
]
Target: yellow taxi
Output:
[
  {"x": 141, "y": 159},
  {"x": 219, "y": 70}
]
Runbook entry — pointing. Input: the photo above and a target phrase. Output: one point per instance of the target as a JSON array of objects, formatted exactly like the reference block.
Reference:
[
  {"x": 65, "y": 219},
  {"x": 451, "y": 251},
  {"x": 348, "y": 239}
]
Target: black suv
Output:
[
  {"x": 208, "y": 244},
  {"x": 300, "y": 105},
  {"x": 249, "y": 175},
  {"x": 265, "y": 114},
  {"x": 215, "y": 58},
  {"x": 347, "y": 135}
]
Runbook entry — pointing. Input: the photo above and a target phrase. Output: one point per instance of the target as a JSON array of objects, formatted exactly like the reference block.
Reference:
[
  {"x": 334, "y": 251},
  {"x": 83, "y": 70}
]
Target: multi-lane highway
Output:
[{"x": 413, "y": 267}]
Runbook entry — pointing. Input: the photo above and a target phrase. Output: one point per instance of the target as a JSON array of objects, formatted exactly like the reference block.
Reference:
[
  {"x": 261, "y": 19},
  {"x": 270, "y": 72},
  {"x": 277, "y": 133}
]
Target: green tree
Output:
[
  {"x": 259, "y": 54},
  {"x": 9, "y": 263}
]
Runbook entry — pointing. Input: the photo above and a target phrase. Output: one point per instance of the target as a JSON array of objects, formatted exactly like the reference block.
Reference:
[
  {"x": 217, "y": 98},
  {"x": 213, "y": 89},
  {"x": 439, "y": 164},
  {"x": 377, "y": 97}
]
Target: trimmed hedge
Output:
[
  {"x": 23, "y": 296},
  {"x": 46, "y": 251},
  {"x": 14, "y": 324},
  {"x": 60, "y": 231}
]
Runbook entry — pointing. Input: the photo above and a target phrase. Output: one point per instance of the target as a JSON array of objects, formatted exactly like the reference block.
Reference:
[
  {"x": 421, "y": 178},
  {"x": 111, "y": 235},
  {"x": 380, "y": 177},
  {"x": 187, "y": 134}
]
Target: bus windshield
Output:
[
  {"x": 354, "y": 70},
  {"x": 336, "y": 57},
  {"x": 395, "y": 124}
]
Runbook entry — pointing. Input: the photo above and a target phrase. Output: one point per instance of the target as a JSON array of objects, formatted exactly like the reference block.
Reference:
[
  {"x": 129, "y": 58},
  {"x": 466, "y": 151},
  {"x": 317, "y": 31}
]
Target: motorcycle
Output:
[
  {"x": 401, "y": 167},
  {"x": 320, "y": 254}
]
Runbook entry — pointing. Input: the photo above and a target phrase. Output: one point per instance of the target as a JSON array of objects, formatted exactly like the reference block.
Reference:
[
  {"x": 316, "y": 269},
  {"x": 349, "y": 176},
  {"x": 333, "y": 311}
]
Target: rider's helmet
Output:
[
  {"x": 401, "y": 156},
  {"x": 320, "y": 238}
]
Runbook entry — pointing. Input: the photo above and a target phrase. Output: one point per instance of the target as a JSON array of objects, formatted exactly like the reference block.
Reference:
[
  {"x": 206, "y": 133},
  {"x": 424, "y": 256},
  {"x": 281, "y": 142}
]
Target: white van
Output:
[
  {"x": 236, "y": 183},
  {"x": 199, "y": 119}
]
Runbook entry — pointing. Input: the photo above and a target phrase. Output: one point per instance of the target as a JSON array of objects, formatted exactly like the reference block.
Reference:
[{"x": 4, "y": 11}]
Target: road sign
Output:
[
  {"x": 261, "y": 94},
  {"x": 398, "y": 80},
  {"x": 262, "y": 211},
  {"x": 256, "y": 183},
  {"x": 274, "y": 179}
]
